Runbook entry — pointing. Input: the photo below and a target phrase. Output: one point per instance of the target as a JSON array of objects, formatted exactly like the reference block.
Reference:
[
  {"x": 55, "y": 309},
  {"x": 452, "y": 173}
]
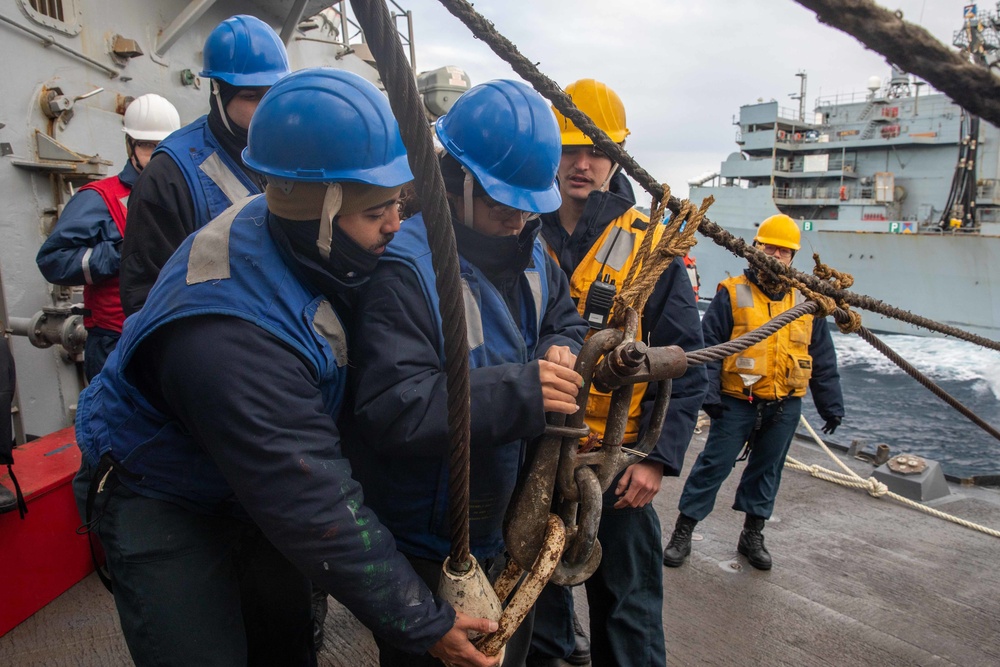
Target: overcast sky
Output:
[{"x": 682, "y": 67}]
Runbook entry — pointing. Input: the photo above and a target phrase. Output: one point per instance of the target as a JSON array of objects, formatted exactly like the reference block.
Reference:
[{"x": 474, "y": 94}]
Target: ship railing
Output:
[
  {"x": 351, "y": 37},
  {"x": 988, "y": 191},
  {"x": 845, "y": 193},
  {"x": 791, "y": 115},
  {"x": 796, "y": 165}
]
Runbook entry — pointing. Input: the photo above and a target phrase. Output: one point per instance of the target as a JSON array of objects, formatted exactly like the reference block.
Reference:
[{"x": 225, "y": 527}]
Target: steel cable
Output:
[
  {"x": 929, "y": 384},
  {"x": 380, "y": 34},
  {"x": 731, "y": 347}
]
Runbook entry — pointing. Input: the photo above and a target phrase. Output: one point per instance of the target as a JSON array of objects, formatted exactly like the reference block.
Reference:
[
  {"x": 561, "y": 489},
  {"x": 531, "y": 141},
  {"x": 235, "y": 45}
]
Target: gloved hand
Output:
[
  {"x": 831, "y": 425},
  {"x": 714, "y": 410}
]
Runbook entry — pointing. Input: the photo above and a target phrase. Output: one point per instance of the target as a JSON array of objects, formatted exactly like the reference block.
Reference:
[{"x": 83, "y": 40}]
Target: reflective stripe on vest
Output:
[
  {"x": 114, "y": 416},
  {"x": 224, "y": 179},
  {"x": 780, "y": 365},
  {"x": 214, "y": 180}
]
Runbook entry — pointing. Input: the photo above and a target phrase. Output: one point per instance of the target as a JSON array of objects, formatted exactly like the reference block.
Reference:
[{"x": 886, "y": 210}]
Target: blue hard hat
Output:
[
  {"x": 506, "y": 135},
  {"x": 326, "y": 125},
  {"x": 246, "y": 52}
]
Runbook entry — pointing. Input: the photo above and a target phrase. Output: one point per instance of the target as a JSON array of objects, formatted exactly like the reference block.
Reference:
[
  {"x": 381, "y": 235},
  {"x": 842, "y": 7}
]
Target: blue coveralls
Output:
[{"x": 515, "y": 310}]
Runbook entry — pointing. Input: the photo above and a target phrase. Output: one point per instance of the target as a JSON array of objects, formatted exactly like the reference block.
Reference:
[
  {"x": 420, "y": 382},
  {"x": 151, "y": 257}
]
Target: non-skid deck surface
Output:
[{"x": 856, "y": 581}]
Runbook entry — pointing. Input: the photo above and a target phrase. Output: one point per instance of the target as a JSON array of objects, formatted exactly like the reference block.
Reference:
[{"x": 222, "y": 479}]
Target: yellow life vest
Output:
[
  {"x": 780, "y": 365},
  {"x": 612, "y": 255}
]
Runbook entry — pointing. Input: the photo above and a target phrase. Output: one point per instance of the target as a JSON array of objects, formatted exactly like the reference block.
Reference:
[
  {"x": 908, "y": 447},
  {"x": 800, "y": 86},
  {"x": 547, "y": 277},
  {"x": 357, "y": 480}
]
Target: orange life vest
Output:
[
  {"x": 612, "y": 255},
  {"x": 780, "y": 365}
]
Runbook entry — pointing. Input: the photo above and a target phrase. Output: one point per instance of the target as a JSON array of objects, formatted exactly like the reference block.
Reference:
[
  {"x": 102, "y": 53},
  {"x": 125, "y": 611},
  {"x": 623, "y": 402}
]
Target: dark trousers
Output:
[
  {"x": 760, "y": 480},
  {"x": 99, "y": 344},
  {"x": 193, "y": 589},
  {"x": 430, "y": 572},
  {"x": 625, "y": 595}
]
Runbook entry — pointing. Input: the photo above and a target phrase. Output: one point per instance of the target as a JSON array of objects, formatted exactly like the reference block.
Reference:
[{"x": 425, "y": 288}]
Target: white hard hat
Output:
[{"x": 150, "y": 118}]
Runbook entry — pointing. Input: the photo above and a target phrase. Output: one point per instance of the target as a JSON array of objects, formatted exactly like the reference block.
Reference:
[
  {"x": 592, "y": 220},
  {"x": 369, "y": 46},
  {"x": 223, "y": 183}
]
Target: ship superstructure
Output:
[{"x": 876, "y": 180}]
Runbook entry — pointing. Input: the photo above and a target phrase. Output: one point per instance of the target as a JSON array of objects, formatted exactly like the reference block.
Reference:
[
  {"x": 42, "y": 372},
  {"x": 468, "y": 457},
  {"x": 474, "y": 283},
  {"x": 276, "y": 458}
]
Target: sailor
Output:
[
  {"x": 691, "y": 264},
  {"x": 84, "y": 247},
  {"x": 595, "y": 236},
  {"x": 502, "y": 150},
  {"x": 212, "y": 467},
  {"x": 755, "y": 397},
  {"x": 198, "y": 173}
]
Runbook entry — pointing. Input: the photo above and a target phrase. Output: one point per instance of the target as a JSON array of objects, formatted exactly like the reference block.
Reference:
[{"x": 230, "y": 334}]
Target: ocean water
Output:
[{"x": 883, "y": 404}]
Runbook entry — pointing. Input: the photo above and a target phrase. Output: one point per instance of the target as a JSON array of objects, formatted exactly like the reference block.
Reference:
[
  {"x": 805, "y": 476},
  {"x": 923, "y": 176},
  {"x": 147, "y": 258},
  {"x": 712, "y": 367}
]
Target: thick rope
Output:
[
  {"x": 649, "y": 265},
  {"x": 484, "y": 30},
  {"x": 380, "y": 33},
  {"x": 913, "y": 49},
  {"x": 875, "y": 488}
]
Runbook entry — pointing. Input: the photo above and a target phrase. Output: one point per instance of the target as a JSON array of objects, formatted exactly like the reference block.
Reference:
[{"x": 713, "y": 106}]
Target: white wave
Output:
[{"x": 938, "y": 358}]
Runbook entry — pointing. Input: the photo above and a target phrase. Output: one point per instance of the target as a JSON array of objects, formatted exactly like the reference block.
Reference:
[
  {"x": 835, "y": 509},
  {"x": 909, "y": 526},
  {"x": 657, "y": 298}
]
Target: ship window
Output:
[{"x": 59, "y": 15}]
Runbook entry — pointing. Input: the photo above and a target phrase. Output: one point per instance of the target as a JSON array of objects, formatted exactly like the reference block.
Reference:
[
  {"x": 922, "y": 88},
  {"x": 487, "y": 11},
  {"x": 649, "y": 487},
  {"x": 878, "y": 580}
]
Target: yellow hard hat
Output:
[
  {"x": 779, "y": 230},
  {"x": 603, "y": 106}
]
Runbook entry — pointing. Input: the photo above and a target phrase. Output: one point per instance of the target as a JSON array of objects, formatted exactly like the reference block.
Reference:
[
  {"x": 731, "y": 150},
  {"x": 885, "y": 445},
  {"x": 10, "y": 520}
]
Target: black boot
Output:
[
  {"x": 581, "y": 651},
  {"x": 319, "y": 608},
  {"x": 751, "y": 543},
  {"x": 8, "y": 501},
  {"x": 679, "y": 547}
]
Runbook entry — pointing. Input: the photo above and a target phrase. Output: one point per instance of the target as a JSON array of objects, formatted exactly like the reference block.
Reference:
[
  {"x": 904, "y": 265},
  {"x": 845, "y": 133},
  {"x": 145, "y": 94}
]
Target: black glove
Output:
[
  {"x": 831, "y": 425},
  {"x": 714, "y": 410}
]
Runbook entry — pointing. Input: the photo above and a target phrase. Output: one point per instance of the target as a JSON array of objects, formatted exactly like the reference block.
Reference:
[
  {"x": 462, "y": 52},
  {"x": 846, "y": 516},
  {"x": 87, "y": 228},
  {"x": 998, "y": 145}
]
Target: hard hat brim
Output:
[
  {"x": 395, "y": 173},
  {"x": 574, "y": 137},
  {"x": 781, "y": 243},
  {"x": 256, "y": 80}
]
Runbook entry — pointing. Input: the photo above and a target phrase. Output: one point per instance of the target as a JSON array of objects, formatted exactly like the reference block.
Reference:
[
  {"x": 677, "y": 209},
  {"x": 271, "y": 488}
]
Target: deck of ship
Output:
[{"x": 856, "y": 581}]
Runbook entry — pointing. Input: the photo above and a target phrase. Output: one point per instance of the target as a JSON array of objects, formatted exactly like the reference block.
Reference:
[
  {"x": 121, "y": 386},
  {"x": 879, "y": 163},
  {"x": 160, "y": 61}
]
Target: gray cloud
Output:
[{"x": 682, "y": 67}]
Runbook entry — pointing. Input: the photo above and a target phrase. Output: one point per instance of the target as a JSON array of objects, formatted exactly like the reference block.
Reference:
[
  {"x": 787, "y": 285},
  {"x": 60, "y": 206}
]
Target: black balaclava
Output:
[
  {"x": 297, "y": 238},
  {"x": 348, "y": 260},
  {"x": 232, "y": 137}
]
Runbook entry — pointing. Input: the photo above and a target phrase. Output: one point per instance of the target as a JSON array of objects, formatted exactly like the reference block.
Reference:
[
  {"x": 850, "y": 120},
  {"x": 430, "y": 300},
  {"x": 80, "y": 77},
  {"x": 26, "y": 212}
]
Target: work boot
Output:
[
  {"x": 319, "y": 609},
  {"x": 679, "y": 546},
  {"x": 751, "y": 543},
  {"x": 581, "y": 651}
]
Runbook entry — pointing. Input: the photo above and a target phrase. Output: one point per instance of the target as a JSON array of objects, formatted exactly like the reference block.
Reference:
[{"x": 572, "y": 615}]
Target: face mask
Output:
[{"x": 347, "y": 257}]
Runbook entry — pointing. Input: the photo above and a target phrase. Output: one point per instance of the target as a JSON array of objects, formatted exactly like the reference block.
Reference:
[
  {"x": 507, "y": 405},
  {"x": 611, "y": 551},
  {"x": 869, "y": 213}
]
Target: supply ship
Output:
[{"x": 896, "y": 185}]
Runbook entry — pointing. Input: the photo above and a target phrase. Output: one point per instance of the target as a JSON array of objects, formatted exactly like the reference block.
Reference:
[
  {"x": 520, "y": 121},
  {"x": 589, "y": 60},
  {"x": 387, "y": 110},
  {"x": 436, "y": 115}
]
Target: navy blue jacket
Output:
[
  {"x": 84, "y": 225},
  {"x": 257, "y": 408},
  {"x": 669, "y": 318},
  {"x": 825, "y": 381},
  {"x": 400, "y": 390}
]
